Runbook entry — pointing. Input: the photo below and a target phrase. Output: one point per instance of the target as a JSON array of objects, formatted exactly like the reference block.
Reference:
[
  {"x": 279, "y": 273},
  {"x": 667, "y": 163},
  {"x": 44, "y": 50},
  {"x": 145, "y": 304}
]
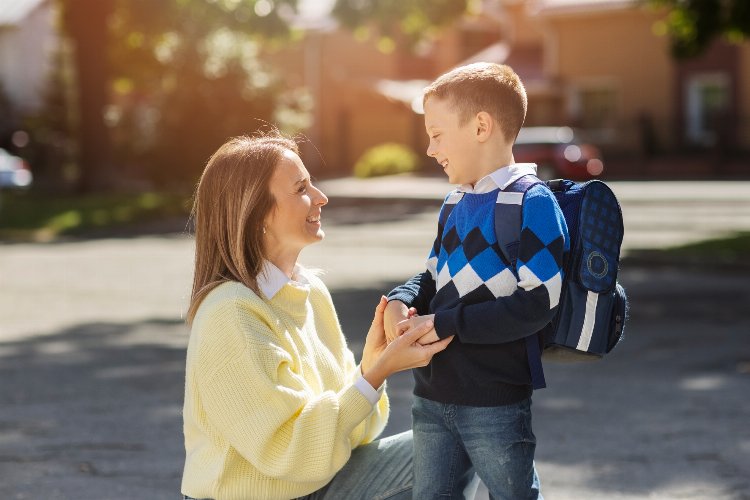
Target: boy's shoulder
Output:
[{"x": 453, "y": 197}]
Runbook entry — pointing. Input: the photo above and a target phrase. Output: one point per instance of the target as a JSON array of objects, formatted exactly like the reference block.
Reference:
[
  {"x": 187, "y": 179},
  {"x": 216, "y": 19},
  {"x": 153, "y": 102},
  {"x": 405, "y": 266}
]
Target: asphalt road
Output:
[{"x": 92, "y": 355}]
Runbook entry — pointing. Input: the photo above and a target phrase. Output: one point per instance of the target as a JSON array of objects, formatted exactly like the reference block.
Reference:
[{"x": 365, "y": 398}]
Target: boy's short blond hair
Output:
[{"x": 493, "y": 88}]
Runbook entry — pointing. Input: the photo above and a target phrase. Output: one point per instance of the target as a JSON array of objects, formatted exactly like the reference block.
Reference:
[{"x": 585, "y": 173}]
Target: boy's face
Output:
[{"x": 454, "y": 146}]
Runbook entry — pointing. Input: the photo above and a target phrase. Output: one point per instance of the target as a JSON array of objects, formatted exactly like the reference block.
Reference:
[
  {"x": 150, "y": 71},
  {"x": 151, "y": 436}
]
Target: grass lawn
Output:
[
  {"x": 733, "y": 249},
  {"x": 29, "y": 215}
]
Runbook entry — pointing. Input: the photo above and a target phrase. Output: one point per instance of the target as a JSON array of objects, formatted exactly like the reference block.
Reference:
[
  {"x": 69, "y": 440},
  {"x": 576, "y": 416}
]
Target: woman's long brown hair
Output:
[{"x": 231, "y": 203}]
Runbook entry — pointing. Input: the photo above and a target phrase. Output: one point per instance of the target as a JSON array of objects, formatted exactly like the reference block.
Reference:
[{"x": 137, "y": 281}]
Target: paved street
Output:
[{"x": 92, "y": 353}]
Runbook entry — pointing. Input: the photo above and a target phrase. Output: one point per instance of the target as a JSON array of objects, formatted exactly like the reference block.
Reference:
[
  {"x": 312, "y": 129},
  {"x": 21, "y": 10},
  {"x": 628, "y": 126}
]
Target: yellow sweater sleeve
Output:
[
  {"x": 373, "y": 426},
  {"x": 256, "y": 397}
]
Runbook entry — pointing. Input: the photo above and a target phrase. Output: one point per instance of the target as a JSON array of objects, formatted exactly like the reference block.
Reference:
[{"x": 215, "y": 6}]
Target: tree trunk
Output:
[{"x": 86, "y": 24}]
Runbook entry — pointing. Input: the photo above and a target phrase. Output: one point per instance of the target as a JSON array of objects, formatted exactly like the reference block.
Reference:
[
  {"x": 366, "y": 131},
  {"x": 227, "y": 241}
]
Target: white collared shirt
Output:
[
  {"x": 272, "y": 279},
  {"x": 500, "y": 178}
]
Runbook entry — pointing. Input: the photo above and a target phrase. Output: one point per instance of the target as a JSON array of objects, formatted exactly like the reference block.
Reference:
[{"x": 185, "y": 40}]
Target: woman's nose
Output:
[{"x": 321, "y": 199}]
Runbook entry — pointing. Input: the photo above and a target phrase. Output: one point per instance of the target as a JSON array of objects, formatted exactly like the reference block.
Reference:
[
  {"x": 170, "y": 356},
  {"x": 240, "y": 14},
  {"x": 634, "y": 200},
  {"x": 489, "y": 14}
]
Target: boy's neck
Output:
[{"x": 493, "y": 157}]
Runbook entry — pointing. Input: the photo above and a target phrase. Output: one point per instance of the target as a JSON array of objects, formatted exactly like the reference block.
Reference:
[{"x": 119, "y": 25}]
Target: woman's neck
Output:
[{"x": 285, "y": 261}]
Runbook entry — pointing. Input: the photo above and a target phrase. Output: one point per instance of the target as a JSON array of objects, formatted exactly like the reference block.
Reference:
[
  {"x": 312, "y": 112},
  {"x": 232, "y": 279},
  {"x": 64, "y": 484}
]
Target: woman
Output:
[{"x": 275, "y": 406}]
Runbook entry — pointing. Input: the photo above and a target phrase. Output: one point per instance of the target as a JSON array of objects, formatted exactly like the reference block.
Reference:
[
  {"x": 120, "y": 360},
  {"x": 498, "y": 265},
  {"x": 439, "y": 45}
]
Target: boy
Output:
[{"x": 472, "y": 404}]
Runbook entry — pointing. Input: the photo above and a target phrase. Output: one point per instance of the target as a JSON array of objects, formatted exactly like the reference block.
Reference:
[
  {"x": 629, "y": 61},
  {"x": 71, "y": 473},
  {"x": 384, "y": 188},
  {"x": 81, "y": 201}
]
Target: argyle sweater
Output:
[{"x": 489, "y": 304}]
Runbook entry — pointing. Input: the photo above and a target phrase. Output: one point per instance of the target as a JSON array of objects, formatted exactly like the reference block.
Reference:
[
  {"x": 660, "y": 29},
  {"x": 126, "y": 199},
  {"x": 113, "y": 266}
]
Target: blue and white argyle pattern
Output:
[{"x": 466, "y": 262}]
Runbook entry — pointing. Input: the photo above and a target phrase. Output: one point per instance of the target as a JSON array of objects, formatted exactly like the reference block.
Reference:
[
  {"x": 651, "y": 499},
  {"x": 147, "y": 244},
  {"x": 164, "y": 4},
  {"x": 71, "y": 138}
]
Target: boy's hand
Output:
[
  {"x": 395, "y": 312},
  {"x": 415, "y": 322},
  {"x": 381, "y": 359}
]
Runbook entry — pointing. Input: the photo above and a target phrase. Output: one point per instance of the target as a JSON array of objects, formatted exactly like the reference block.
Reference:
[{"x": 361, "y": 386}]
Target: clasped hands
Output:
[
  {"x": 400, "y": 320},
  {"x": 413, "y": 344}
]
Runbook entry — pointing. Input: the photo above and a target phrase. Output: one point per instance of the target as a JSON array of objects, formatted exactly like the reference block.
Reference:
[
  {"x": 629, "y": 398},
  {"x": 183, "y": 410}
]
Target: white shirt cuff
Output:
[{"x": 372, "y": 395}]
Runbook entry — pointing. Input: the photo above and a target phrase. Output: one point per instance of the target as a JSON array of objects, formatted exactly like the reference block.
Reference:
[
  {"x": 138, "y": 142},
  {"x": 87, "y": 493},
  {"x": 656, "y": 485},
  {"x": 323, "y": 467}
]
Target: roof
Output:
[
  {"x": 526, "y": 60},
  {"x": 408, "y": 92},
  {"x": 552, "y": 7},
  {"x": 314, "y": 15},
  {"x": 12, "y": 12}
]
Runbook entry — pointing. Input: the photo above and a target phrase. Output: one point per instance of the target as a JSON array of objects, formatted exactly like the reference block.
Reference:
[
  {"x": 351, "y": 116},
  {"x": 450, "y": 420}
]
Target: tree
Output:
[
  {"x": 86, "y": 24},
  {"x": 192, "y": 68},
  {"x": 160, "y": 50},
  {"x": 693, "y": 24},
  {"x": 412, "y": 20}
]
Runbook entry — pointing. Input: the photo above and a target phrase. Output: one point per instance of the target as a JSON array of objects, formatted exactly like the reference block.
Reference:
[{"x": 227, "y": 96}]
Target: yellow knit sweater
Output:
[{"x": 270, "y": 409}]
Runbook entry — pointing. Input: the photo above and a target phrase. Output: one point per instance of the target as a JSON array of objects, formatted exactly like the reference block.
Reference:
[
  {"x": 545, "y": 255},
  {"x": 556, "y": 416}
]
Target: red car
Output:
[{"x": 557, "y": 153}]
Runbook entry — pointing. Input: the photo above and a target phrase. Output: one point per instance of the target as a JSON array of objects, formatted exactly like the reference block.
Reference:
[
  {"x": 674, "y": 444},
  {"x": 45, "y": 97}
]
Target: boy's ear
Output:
[{"x": 484, "y": 126}]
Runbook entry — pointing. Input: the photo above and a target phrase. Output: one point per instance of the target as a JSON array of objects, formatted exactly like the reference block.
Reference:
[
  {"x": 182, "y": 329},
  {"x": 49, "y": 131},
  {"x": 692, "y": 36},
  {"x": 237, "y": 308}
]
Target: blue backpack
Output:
[{"x": 590, "y": 319}]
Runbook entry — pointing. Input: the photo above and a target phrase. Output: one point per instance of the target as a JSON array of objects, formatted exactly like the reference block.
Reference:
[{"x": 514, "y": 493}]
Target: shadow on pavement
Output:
[{"x": 94, "y": 410}]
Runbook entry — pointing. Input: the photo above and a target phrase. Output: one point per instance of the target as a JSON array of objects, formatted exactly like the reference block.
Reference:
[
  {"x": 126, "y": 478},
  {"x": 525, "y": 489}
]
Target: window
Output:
[
  {"x": 707, "y": 104},
  {"x": 598, "y": 108}
]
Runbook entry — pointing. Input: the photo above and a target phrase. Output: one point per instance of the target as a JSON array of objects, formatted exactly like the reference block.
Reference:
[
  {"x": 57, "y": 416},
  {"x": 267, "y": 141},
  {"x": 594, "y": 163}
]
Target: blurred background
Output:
[
  {"x": 134, "y": 95},
  {"x": 109, "y": 110}
]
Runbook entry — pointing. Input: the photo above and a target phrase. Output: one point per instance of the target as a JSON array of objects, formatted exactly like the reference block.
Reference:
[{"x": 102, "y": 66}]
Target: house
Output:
[
  {"x": 28, "y": 38},
  {"x": 611, "y": 60},
  {"x": 365, "y": 94},
  {"x": 603, "y": 66}
]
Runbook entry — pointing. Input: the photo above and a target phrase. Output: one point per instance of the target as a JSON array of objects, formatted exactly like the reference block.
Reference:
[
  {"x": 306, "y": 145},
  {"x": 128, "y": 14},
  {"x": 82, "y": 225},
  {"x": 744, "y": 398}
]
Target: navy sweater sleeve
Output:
[
  {"x": 543, "y": 244},
  {"x": 419, "y": 291}
]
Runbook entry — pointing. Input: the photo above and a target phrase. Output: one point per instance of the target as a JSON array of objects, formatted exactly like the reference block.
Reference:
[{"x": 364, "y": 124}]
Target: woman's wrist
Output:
[{"x": 374, "y": 375}]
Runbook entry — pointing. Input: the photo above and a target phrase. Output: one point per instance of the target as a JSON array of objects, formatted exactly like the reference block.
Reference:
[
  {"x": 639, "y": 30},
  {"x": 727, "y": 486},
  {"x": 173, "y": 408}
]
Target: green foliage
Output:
[
  {"x": 386, "y": 159},
  {"x": 181, "y": 77},
  {"x": 188, "y": 75},
  {"x": 693, "y": 24},
  {"x": 30, "y": 216},
  {"x": 729, "y": 251},
  {"x": 735, "y": 246},
  {"x": 411, "y": 19}
]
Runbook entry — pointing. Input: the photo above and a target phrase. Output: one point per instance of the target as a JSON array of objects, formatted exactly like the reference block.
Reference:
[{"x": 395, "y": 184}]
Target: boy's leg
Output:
[
  {"x": 501, "y": 445},
  {"x": 442, "y": 468},
  {"x": 377, "y": 471}
]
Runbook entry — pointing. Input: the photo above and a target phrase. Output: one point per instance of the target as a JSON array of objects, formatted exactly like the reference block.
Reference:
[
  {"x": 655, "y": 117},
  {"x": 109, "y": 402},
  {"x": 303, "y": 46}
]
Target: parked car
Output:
[
  {"x": 14, "y": 171},
  {"x": 557, "y": 153}
]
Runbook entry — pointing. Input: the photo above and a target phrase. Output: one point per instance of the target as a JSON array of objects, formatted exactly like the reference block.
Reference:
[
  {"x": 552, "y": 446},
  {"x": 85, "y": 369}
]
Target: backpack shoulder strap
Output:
[
  {"x": 508, "y": 221},
  {"x": 508, "y": 216}
]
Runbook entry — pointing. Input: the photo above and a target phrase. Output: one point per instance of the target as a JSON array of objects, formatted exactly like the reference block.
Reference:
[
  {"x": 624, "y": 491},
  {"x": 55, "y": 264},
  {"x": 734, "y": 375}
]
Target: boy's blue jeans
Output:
[{"x": 451, "y": 442}]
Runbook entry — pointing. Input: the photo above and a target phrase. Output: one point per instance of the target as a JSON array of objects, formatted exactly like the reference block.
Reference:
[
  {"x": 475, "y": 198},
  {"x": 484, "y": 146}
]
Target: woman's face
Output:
[{"x": 295, "y": 221}]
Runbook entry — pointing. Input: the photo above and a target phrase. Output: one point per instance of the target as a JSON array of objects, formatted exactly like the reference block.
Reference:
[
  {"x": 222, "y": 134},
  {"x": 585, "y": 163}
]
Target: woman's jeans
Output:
[
  {"x": 377, "y": 471},
  {"x": 452, "y": 442},
  {"x": 380, "y": 470}
]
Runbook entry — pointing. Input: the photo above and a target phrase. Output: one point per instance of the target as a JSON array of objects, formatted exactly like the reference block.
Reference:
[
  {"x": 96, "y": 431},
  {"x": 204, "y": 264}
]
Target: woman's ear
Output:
[{"x": 484, "y": 126}]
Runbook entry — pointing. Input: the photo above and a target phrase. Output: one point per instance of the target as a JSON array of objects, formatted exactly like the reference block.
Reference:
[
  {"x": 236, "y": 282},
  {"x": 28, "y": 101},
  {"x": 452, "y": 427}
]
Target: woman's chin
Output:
[{"x": 319, "y": 235}]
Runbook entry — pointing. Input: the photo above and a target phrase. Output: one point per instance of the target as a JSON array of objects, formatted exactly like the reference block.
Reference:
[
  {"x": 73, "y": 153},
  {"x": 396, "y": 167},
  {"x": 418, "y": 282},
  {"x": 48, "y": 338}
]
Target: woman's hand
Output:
[
  {"x": 415, "y": 322},
  {"x": 381, "y": 359}
]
